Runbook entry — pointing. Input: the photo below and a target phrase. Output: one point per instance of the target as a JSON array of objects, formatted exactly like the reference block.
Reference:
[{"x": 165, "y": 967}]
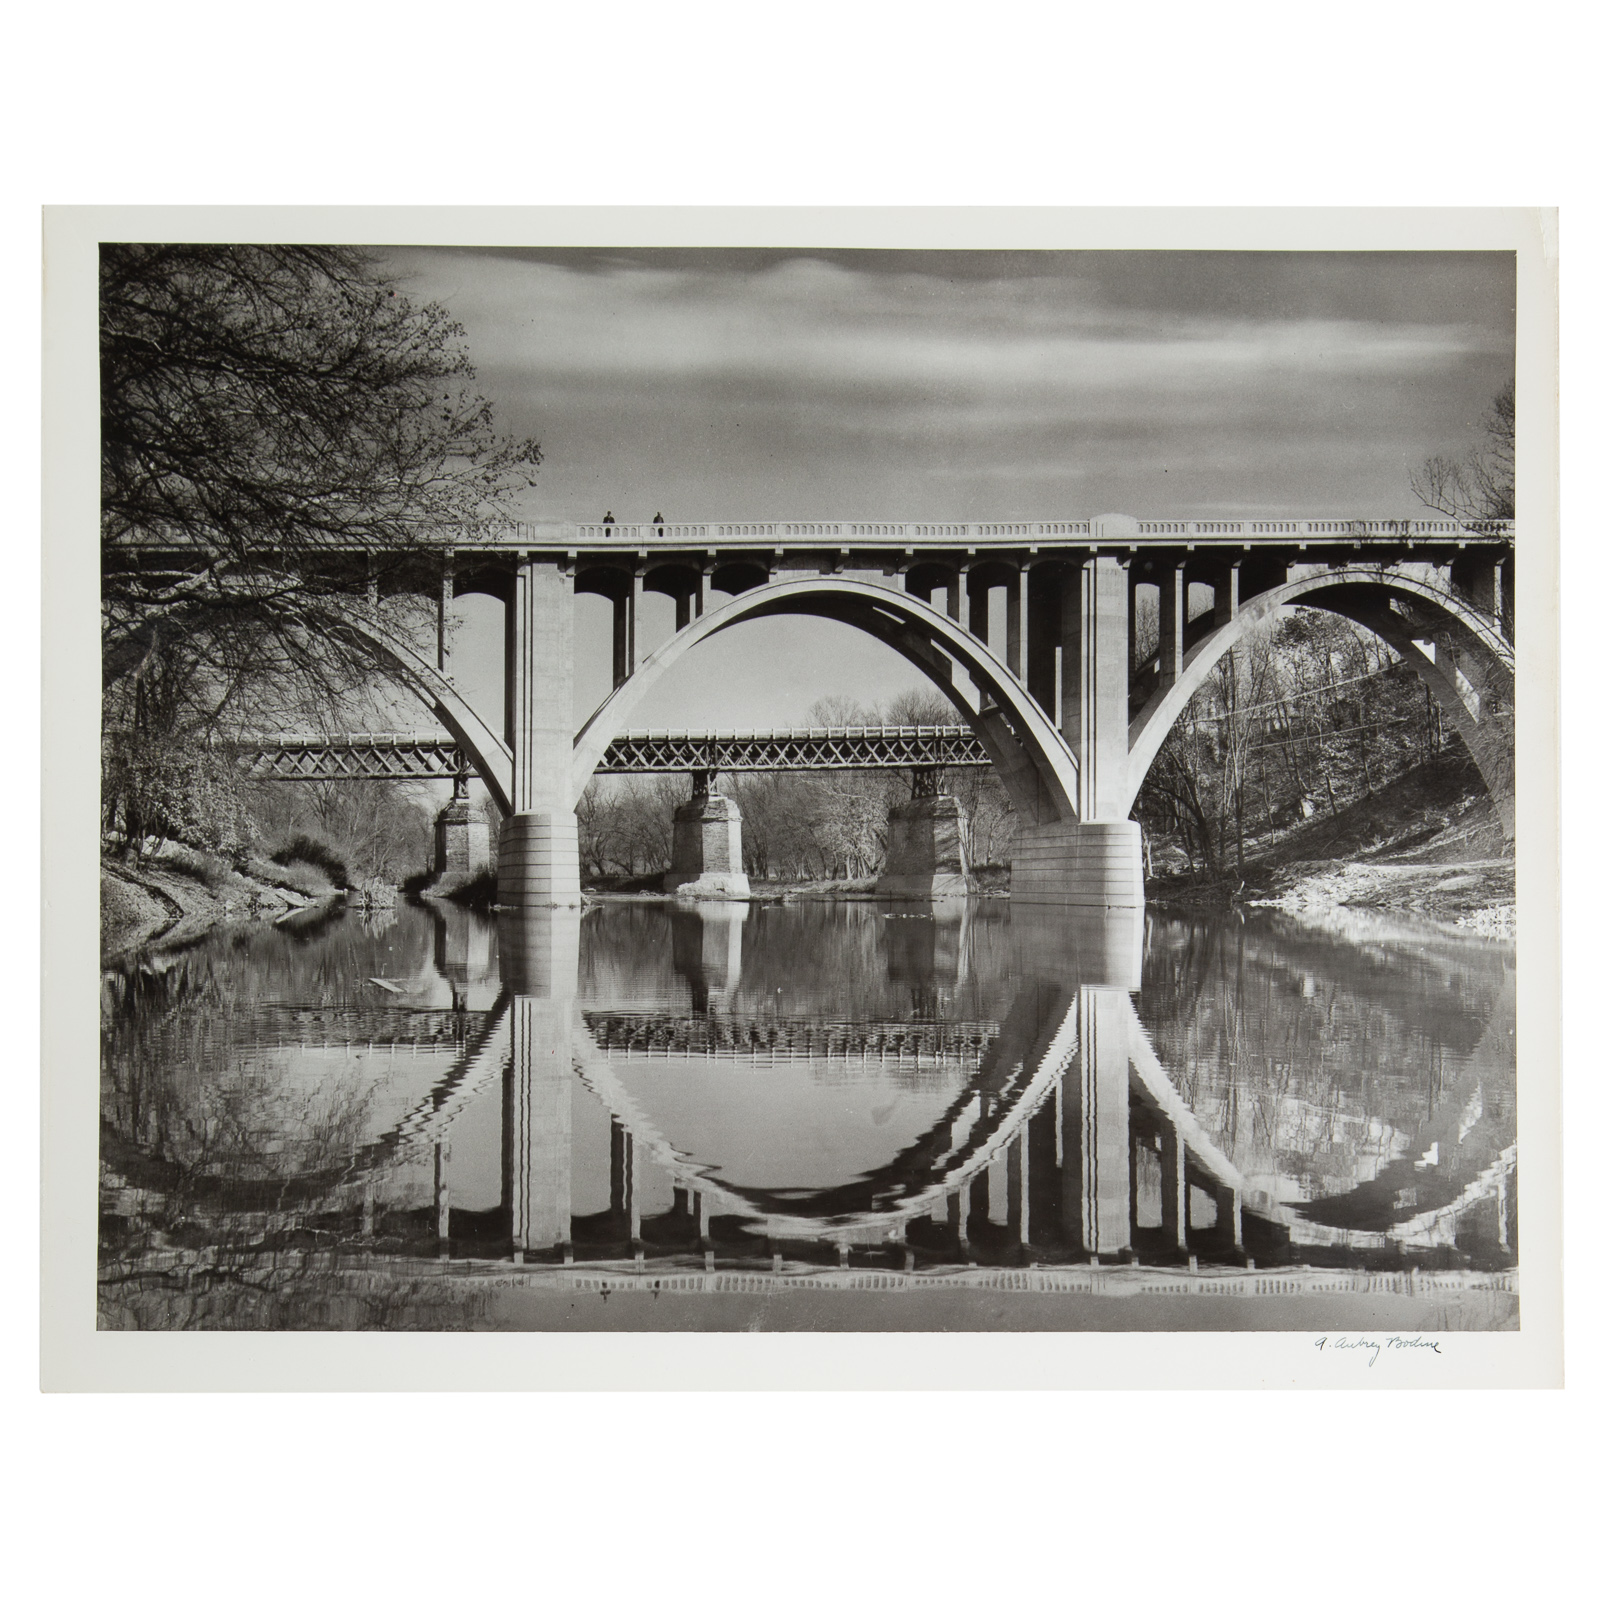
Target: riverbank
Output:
[
  {"x": 1428, "y": 846},
  {"x": 177, "y": 893}
]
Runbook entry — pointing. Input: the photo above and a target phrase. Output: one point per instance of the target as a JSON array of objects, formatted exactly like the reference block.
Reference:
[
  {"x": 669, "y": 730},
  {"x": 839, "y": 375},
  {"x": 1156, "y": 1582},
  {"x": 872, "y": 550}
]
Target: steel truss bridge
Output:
[{"x": 372, "y": 756}]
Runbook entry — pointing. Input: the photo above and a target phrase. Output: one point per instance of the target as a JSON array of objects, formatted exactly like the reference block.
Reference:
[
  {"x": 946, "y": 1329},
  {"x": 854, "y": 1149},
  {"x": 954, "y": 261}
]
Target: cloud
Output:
[{"x": 710, "y": 384}]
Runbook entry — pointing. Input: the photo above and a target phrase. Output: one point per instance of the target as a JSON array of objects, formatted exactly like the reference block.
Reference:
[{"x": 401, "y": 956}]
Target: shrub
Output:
[
  {"x": 314, "y": 853},
  {"x": 478, "y": 891}
]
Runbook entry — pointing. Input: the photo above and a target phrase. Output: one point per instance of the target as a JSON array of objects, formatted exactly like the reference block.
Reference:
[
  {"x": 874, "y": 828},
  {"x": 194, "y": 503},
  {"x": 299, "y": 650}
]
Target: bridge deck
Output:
[{"x": 1080, "y": 534}]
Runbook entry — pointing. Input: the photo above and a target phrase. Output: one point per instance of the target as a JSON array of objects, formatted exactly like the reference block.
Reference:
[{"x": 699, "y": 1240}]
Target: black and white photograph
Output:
[{"x": 756, "y": 788}]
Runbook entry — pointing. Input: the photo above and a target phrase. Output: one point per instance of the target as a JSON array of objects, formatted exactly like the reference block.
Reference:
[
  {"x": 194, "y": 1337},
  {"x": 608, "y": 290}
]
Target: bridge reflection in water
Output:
[
  {"x": 1034, "y": 1124},
  {"x": 804, "y": 1086}
]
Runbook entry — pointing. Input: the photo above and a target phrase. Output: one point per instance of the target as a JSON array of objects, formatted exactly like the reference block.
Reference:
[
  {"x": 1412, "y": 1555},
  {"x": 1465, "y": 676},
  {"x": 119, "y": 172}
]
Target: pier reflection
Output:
[{"x": 818, "y": 1083}]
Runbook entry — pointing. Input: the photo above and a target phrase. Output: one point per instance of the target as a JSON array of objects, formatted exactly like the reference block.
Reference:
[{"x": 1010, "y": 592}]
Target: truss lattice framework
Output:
[
  {"x": 363, "y": 756},
  {"x": 793, "y": 749},
  {"x": 669, "y": 750}
]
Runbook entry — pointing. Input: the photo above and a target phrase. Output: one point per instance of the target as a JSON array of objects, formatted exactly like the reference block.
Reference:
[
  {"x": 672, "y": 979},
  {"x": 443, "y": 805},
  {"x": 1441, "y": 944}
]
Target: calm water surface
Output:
[{"x": 385, "y": 1121}]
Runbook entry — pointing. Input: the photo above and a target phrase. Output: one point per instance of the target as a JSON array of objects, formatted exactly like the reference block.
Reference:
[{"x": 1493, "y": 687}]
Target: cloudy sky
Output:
[
  {"x": 739, "y": 385},
  {"x": 735, "y": 385}
]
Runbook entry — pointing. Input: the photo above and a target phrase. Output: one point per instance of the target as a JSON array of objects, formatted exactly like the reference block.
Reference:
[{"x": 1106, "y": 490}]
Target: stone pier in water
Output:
[
  {"x": 926, "y": 857},
  {"x": 707, "y": 846}
]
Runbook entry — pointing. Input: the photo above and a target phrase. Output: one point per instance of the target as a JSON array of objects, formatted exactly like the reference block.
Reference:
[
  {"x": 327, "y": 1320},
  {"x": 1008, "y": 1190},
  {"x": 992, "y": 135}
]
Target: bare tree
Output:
[
  {"x": 1478, "y": 489},
  {"x": 284, "y": 437}
]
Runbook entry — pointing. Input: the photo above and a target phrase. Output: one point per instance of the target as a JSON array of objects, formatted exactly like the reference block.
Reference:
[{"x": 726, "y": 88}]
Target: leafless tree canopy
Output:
[
  {"x": 284, "y": 436},
  {"x": 1478, "y": 489},
  {"x": 295, "y": 426}
]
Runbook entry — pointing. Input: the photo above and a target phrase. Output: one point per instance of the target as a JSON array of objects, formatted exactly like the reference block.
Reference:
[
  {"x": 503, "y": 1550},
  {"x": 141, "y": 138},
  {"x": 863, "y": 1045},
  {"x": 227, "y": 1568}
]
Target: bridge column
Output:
[
  {"x": 927, "y": 853},
  {"x": 1225, "y": 594},
  {"x": 1102, "y": 749},
  {"x": 1099, "y": 859},
  {"x": 1174, "y": 615},
  {"x": 539, "y": 964},
  {"x": 539, "y": 841},
  {"x": 708, "y": 846},
  {"x": 1020, "y": 1209},
  {"x": 621, "y": 638},
  {"x": 975, "y": 616},
  {"x": 1042, "y": 637},
  {"x": 1017, "y": 621},
  {"x": 447, "y": 589}
]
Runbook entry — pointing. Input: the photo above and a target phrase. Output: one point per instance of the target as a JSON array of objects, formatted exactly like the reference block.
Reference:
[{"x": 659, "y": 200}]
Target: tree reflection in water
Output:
[{"x": 329, "y": 1129}]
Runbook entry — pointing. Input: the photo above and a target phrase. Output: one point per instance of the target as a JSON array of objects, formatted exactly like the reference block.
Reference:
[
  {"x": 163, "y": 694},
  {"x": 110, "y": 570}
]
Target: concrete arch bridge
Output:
[{"x": 1037, "y": 617}]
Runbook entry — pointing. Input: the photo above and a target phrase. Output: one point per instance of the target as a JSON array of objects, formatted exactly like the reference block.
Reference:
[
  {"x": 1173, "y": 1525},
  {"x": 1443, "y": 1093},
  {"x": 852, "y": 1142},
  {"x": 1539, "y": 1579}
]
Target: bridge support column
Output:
[
  {"x": 539, "y": 841},
  {"x": 708, "y": 846},
  {"x": 1102, "y": 679},
  {"x": 1094, "y": 864},
  {"x": 1174, "y": 615},
  {"x": 1098, "y": 860},
  {"x": 927, "y": 856}
]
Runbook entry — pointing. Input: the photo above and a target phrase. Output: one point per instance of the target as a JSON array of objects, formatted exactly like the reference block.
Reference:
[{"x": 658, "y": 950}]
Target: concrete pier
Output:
[
  {"x": 707, "y": 847},
  {"x": 1090, "y": 864},
  {"x": 460, "y": 842},
  {"x": 927, "y": 854}
]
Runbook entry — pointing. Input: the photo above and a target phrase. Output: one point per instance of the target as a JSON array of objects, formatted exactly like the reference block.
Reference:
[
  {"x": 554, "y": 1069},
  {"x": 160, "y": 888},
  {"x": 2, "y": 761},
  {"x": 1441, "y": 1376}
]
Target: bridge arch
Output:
[
  {"x": 1469, "y": 667},
  {"x": 489, "y": 753},
  {"x": 1029, "y": 755}
]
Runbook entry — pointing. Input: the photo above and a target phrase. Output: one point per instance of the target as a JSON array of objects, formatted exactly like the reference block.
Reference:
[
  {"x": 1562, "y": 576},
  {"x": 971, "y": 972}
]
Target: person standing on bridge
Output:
[
  {"x": 658, "y": 521},
  {"x": 608, "y": 520}
]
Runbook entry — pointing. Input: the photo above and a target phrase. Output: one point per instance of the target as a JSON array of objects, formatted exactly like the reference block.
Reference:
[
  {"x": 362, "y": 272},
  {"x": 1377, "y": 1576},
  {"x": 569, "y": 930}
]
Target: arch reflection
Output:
[{"x": 953, "y": 1083}]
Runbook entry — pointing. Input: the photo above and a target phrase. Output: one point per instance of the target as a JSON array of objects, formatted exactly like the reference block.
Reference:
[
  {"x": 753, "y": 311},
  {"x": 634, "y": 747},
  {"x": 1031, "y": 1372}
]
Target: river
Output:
[{"x": 655, "y": 1116}]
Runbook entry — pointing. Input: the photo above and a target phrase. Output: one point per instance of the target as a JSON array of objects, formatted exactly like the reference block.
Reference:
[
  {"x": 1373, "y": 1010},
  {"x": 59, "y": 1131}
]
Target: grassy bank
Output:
[
  {"x": 1427, "y": 845},
  {"x": 174, "y": 893}
]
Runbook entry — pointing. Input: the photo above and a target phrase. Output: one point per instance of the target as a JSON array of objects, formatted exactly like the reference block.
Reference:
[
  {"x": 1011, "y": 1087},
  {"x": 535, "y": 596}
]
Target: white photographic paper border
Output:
[{"x": 77, "y": 1356}]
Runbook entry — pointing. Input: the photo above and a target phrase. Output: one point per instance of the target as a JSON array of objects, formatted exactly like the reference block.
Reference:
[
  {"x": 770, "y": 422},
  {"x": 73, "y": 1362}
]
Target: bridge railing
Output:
[
  {"x": 844, "y": 534},
  {"x": 1156, "y": 530}
]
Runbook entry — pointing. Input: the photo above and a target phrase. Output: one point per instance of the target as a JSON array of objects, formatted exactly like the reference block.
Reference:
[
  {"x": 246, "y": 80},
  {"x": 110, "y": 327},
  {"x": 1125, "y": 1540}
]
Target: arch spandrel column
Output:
[{"x": 539, "y": 840}]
